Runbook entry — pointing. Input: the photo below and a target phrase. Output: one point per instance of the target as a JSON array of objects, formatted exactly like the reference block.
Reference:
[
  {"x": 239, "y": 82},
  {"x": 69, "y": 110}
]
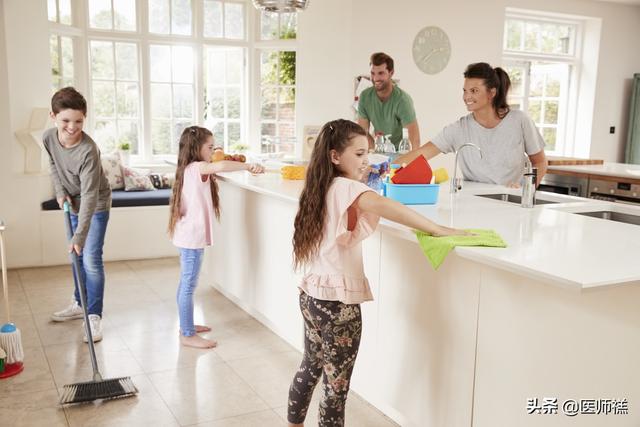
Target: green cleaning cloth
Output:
[{"x": 436, "y": 249}]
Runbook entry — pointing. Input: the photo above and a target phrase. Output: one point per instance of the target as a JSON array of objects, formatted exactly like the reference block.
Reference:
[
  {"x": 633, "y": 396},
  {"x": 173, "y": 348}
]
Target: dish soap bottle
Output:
[{"x": 405, "y": 145}]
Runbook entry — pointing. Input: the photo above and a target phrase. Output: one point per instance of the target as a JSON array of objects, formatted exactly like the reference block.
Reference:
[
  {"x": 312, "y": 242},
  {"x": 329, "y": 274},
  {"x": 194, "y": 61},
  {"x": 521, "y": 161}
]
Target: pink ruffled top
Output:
[{"x": 337, "y": 274}]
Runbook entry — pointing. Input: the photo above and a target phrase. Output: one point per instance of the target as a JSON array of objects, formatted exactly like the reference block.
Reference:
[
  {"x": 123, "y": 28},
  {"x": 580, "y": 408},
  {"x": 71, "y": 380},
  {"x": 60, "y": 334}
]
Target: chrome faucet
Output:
[
  {"x": 530, "y": 177},
  {"x": 456, "y": 183}
]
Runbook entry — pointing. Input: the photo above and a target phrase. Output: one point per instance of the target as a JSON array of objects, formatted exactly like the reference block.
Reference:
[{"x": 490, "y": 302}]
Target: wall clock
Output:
[{"x": 431, "y": 50}]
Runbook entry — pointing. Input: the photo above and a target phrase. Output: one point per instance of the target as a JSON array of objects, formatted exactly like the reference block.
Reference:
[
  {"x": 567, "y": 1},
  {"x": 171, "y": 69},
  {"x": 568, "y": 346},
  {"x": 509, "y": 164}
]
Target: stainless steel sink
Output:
[
  {"x": 513, "y": 198},
  {"x": 614, "y": 216}
]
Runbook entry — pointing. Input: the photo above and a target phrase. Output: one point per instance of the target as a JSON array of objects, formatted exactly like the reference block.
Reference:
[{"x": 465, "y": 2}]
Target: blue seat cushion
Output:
[{"x": 121, "y": 198}]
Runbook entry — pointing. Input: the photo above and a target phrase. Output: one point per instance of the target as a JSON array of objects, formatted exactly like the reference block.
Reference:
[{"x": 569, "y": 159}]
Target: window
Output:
[
  {"x": 277, "y": 101},
  {"x": 170, "y": 17},
  {"x": 61, "y": 61},
  {"x": 187, "y": 63},
  {"x": 540, "y": 57},
  {"x": 60, "y": 11},
  {"x": 115, "y": 94},
  {"x": 224, "y": 19},
  {"x": 112, "y": 15},
  {"x": 277, "y": 86},
  {"x": 172, "y": 95},
  {"x": 278, "y": 26},
  {"x": 224, "y": 83}
]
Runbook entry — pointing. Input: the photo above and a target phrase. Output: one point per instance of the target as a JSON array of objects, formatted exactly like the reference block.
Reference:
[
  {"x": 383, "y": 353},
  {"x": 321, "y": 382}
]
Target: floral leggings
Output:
[{"x": 332, "y": 332}]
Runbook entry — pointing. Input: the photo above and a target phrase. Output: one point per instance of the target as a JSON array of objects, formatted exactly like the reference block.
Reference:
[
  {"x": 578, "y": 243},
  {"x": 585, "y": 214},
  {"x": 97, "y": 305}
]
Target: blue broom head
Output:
[{"x": 8, "y": 328}]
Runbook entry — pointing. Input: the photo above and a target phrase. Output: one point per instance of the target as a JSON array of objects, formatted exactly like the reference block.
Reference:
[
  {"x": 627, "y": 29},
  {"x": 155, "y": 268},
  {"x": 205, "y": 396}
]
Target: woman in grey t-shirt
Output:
[{"x": 503, "y": 135}]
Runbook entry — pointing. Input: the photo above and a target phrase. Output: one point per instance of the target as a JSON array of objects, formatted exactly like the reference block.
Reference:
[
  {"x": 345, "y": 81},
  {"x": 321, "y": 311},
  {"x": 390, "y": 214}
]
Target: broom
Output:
[
  {"x": 10, "y": 340},
  {"x": 98, "y": 388}
]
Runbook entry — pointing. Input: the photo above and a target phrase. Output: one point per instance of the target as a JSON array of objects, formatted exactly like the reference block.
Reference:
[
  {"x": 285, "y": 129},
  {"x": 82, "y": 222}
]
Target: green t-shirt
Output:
[{"x": 389, "y": 116}]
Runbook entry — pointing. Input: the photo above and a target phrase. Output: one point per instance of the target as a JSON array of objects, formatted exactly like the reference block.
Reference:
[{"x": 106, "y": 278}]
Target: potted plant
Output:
[{"x": 123, "y": 151}]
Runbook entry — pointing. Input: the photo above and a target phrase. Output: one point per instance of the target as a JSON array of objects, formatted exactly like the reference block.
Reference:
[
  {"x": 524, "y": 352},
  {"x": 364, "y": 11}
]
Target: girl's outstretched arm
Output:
[
  {"x": 397, "y": 212},
  {"x": 229, "y": 166}
]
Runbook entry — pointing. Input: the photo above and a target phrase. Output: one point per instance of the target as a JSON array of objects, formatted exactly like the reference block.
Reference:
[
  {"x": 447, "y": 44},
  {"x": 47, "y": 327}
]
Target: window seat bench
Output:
[{"x": 137, "y": 228}]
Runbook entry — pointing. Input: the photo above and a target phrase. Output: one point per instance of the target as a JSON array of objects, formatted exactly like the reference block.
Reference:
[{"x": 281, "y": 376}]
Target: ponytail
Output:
[{"x": 493, "y": 78}]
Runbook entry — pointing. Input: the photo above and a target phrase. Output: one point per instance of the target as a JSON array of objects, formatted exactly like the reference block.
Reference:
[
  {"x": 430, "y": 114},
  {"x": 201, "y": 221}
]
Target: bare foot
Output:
[
  {"x": 197, "y": 341},
  {"x": 202, "y": 328}
]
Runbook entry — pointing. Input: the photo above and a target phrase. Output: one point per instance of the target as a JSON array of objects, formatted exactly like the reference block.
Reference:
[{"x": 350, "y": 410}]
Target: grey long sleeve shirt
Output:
[{"x": 77, "y": 172}]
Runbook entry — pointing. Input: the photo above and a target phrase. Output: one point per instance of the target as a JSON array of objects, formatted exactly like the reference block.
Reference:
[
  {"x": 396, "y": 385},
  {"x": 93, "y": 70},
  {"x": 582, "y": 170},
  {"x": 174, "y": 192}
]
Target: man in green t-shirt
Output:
[{"x": 386, "y": 106}]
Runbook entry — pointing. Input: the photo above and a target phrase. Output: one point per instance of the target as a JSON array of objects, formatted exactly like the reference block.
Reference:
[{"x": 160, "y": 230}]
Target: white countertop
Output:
[
  {"x": 548, "y": 242},
  {"x": 622, "y": 170}
]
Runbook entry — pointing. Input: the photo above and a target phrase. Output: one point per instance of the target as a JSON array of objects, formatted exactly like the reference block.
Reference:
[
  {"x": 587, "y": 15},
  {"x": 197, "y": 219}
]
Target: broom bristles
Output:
[
  {"x": 94, "y": 390},
  {"x": 11, "y": 343}
]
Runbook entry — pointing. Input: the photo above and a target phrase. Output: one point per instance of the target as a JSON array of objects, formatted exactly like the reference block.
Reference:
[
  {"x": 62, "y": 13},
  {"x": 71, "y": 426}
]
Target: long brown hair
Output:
[
  {"x": 310, "y": 219},
  {"x": 191, "y": 141},
  {"x": 493, "y": 78}
]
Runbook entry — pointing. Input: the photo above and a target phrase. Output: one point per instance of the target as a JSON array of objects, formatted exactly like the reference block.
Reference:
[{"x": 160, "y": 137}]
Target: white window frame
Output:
[
  {"x": 82, "y": 33},
  {"x": 567, "y": 111},
  {"x": 259, "y": 46}
]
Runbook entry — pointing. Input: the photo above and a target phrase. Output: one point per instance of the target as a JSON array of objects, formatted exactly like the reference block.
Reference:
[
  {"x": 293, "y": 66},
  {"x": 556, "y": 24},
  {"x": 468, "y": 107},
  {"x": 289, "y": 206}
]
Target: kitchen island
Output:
[{"x": 488, "y": 337}]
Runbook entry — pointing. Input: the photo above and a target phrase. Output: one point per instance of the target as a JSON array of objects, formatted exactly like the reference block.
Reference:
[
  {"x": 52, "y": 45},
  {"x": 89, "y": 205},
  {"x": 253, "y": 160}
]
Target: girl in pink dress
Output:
[
  {"x": 193, "y": 205},
  {"x": 336, "y": 212}
]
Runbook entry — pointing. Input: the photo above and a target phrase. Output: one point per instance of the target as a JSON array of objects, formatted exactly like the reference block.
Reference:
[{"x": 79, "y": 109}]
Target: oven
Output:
[
  {"x": 565, "y": 184},
  {"x": 614, "y": 191}
]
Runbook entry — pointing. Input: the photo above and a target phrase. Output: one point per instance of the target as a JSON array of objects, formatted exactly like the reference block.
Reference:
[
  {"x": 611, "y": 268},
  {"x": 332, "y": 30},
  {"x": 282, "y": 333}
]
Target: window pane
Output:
[
  {"x": 287, "y": 67},
  {"x": 182, "y": 64},
  {"x": 160, "y": 63},
  {"x": 234, "y": 20},
  {"x": 215, "y": 66},
  {"x": 269, "y": 101},
  {"x": 268, "y": 130},
  {"x": 218, "y": 134},
  {"x": 183, "y": 101},
  {"x": 536, "y": 83},
  {"x": 268, "y": 68},
  {"x": 549, "y": 136},
  {"x": 212, "y": 18},
  {"x": 268, "y": 26},
  {"x": 160, "y": 100},
  {"x": 67, "y": 56},
  {"x": 100, "y": 14},
  {"x": 531, "y": 37},
  {"x": 159, "y": 21},
  {"x": 178, "y": 128},
  {"x": 181, "y": 17},
  {"x": 65, "y": 11},
  {"x": 235, "y": 63},
  {"x": 104, "y": 132},
  {"x": 52, "y": 10},
  {"x": 102, "y": 60},
  {"x": 103, "y": 99},
  {"x": 125, "y": 14},
  {"x": 126, "y": 61},
  {"x": 161, "y": 137},
  {"x": 128, "y": 133},
  {"x": 233, "y": 132},
  {"x": 513, "y": 34},
  {"x": 288, "y": 25},
  {"x": 215, "y": 98},
  {"x": 128, "y": 99},
  {"x": 233, "y": 103},
  {"x": 287, "y": 132},
  {"x": 515, "y": 75},
  {"x": 551, "y": 112},
  {"x": 534, "y": 111},
  {"x": 55, "y": 57},
  {"x": 287, "y": 104}
]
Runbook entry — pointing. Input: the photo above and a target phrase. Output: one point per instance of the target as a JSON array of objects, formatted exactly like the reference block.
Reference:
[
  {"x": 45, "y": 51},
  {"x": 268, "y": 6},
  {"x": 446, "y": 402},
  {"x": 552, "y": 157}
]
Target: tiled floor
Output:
[{"x": 243, "y": 382}]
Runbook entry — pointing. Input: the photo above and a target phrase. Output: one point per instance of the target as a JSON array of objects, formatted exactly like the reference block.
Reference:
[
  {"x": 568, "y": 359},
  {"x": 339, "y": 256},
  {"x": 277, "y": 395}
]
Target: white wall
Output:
[
  {"x": 329, "y": 62},
  {"x": 336, "y": 39}
]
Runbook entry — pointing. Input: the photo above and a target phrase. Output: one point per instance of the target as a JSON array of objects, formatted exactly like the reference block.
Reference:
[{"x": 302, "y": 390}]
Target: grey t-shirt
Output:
[
  {"x": 503, "y": 147},
  {"x": 77, "y": 172}
]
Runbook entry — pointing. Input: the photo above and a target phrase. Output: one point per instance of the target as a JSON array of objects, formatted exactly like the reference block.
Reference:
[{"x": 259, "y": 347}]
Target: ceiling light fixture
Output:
[{"x": 281, "y": 5}]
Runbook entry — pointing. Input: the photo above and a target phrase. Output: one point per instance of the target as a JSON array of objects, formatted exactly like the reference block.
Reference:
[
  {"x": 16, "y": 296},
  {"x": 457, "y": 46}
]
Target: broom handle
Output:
[
  {"x": 77, "y": 277},
  {"x": 5, "y": 283}
]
